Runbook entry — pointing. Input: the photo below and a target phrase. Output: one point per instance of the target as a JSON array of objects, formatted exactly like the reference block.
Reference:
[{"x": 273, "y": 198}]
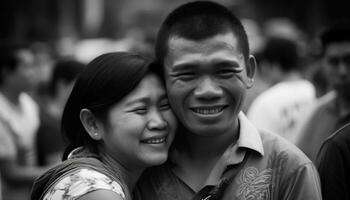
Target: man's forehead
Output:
[
  {"x": 25, "y": 55},
  {"x": 217, "y": 42},
  {"x": 207, "y": 52},
  {"x": 338, "y": 48}
]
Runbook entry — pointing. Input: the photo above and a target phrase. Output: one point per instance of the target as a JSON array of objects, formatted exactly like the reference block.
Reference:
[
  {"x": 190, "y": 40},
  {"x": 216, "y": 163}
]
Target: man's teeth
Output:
[
  {"x": 208, "y": 111},
  {"x": 155, "y": 141}
]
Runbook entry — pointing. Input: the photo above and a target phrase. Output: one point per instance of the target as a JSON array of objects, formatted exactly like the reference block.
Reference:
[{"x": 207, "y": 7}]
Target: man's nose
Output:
[
  {"x": 208, "y": 89},
  {"x": 343, "y": 68}
]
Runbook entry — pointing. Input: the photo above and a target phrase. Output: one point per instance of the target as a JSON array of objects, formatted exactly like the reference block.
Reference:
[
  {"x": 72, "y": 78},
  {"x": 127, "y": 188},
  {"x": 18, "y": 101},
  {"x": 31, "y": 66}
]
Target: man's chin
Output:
[
  {"x": 207, "y": 131},
  {"x": 344, "y": 92}
]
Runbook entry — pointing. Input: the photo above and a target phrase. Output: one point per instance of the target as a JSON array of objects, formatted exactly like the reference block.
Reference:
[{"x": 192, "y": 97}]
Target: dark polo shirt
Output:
[
  {"x": 333, "y": 163},
  {"x": 273, "y": 169}
]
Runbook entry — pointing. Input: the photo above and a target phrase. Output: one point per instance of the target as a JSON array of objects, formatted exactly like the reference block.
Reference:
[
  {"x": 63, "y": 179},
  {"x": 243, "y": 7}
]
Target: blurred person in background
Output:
[
  {"x": 280, "y": 108},
  {"x": 333, "y": 109},
  {"x": 44, "y": 56},
  {"x": 19, "y": 121},
  {"x": 316, "y": 74},
  {"x": 256, "y": 40},
  {"x": 49, "y": 142},
  {"x": 333, "y": 164},
  {"x": 274, "y": 27}
]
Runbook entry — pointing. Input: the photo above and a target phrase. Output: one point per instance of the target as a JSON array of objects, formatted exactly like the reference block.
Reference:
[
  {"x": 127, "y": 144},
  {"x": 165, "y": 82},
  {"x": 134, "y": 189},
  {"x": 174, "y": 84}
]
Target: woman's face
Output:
[{"x": 141, "y": 127}]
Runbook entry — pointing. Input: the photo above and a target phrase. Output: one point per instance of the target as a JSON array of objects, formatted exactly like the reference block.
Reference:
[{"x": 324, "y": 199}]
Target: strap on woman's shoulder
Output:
[{"x": 46, "y": 180}]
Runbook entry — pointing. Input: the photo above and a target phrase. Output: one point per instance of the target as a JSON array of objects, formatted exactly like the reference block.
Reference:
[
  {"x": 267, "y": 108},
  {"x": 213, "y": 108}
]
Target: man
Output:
[
  {"x": 333, "y": 109},
  {"x": 333, "y": 164},
  {"x": 49, "y": 141},
  {"x": 218, "y": 153},
  {"x": 19, "y": 120},
  {"x": 280, "y": 108}
]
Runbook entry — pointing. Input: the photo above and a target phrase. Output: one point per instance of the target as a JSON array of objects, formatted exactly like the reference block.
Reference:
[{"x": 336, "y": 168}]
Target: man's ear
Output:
[
  {"x": 91, "y": 124},
  {"x": 250, "y": 67}
]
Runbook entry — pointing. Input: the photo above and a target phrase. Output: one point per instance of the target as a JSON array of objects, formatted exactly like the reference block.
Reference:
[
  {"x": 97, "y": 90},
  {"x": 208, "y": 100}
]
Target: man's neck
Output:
[
  {"x": 11, "y": 95},
  {"x": 289, "y": 77},
  {"x": 343, "y": 105},
  {"x": 203, "y": 148},
  {"x": 198, "y": 157}
]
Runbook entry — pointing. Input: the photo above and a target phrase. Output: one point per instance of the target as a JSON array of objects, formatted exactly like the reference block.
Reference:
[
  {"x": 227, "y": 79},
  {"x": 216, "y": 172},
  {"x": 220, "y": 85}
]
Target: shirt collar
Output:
[{"x": 249, "y": 136}]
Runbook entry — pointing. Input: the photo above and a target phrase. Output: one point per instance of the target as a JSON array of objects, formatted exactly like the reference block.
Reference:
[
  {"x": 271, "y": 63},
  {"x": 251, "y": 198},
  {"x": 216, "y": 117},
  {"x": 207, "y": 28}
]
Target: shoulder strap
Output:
[{"x": 45, "y": 181}]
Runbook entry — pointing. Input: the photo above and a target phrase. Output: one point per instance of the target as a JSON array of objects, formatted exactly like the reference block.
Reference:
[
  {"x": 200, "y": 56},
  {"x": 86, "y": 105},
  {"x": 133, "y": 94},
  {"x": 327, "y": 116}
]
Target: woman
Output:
[{"x": 118, "y": 122}]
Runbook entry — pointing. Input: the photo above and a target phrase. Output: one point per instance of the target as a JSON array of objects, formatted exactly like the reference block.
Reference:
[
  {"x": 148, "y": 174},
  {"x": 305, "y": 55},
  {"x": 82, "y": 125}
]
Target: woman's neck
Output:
[{"x": 129, "y": 175}]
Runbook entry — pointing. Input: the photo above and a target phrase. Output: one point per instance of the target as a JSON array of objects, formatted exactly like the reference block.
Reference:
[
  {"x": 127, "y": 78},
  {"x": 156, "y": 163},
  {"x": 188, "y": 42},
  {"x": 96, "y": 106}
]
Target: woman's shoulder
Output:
[{"x": 80, "y": 182}]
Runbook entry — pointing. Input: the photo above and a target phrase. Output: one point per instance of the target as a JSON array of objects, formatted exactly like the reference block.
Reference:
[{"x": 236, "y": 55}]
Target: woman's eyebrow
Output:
[{"x": 144, "y": 99}]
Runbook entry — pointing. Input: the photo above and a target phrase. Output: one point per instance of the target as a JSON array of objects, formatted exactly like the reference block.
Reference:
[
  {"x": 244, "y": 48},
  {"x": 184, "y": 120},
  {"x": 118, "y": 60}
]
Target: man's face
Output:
[
  {"x": 24, "y": 78},
  {"x": 206, "y": 82},
  {"x": 337, "y": 66}
]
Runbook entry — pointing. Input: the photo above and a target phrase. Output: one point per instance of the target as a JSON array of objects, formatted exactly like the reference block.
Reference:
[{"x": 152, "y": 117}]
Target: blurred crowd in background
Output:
[{"x": 53, "y": 40}]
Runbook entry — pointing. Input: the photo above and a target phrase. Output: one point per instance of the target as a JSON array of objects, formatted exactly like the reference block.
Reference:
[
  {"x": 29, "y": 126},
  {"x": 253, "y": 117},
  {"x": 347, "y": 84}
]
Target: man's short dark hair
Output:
[
  {"x": 197, "y": 21},
  {"x": 64, "y": 70},
  {"x": 338, "y": 32},
  {"x": 283, "y": 51},
  {"x": 9, "y": 59}
]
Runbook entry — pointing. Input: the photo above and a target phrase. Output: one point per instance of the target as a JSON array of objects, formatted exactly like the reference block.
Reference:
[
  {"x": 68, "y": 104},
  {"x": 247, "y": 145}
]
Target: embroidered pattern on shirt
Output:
[
  {"x": 277, "y": 162},
  {"x": 254, "y": 185}
]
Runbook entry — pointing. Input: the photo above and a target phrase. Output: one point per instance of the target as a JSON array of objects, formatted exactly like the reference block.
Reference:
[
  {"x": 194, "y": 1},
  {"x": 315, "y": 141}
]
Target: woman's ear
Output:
[
  {"x": 91, "y": 124},
  {"x": 250, "y": 67}
]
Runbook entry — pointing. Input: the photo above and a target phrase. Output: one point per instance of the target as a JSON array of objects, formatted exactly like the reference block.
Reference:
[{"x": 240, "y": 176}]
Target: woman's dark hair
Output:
[{"x": 104, "y": 82}]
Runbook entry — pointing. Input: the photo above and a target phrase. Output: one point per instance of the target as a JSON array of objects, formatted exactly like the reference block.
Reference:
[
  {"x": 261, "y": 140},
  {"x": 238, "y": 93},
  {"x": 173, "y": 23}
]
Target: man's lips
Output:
[{"x": 208, "y": 110}]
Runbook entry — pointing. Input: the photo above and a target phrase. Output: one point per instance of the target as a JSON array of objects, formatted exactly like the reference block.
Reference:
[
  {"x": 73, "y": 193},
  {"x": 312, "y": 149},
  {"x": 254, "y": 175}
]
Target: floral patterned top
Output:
[{"x": 80, "y": 182}]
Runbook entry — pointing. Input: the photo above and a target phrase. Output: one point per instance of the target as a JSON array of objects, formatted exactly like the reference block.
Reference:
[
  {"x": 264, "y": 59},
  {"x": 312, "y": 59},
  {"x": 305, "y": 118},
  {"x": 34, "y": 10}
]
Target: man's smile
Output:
[{"x": 208, "y": 110}]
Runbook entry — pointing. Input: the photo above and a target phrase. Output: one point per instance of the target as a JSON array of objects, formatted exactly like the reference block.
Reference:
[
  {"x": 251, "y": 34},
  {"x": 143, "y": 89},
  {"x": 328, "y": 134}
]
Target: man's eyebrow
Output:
[
  {"x": 226, "y": 63},
  {"x": 163, "y": 96},
  {"x": 183, "y": 66}
]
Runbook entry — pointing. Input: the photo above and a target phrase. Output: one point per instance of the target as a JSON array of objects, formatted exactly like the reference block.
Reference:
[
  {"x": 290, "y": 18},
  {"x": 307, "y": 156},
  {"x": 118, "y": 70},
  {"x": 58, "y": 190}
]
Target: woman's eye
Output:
[{"x": 140, "y": 110}]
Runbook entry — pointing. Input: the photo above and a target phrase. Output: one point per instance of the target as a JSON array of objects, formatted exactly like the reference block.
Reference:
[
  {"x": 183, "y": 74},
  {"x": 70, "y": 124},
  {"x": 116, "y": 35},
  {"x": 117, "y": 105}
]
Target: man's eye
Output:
[
  {"x": 186, "y": 76},
  {"x": 228, "y": 73},
  {"x": 164, "y": 106}
]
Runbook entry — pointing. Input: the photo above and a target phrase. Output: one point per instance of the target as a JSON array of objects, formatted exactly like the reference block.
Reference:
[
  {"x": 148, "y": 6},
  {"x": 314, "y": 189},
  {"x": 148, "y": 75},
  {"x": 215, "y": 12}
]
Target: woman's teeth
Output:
[{"x": 154, "y": 141}]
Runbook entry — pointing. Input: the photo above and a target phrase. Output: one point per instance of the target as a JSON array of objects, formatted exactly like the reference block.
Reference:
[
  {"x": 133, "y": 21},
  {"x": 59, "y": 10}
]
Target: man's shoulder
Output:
[
  {"x": 157, "y": 183},
  {"x": 276, "y": 147},
  {"x": 157, "y": 173},
  {"x": 325, "y": 103},
  {"x": 341, "y": 137}
]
